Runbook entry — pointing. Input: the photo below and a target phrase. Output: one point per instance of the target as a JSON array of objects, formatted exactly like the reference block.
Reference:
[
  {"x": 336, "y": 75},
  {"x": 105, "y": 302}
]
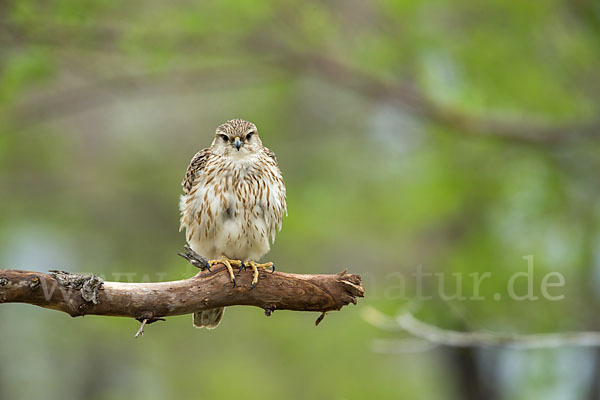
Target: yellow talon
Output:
[
  {"x": 227, "y": 263},
  {"x": 255, "y": 268}
]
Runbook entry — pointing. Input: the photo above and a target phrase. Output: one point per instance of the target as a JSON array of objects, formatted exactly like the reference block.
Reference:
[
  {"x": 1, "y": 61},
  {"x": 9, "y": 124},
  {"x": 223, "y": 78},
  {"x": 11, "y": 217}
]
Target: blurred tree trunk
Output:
[
  {"x": 471, "y": 384},
  {"x": 594, "y": 392}
]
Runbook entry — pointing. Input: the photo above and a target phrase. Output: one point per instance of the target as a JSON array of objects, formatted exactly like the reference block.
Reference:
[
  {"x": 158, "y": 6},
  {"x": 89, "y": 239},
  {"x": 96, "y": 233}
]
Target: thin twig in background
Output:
[{"x": 406, "y": 321}]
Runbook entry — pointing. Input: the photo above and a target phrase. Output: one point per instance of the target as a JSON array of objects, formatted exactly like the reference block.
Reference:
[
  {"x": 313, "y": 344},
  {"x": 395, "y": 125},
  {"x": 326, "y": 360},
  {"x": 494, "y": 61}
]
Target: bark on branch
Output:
[{"x": 80, "y": 295}]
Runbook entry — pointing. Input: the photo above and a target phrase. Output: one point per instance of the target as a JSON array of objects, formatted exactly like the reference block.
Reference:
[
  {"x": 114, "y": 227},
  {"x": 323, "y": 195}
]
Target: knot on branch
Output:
[
  {"x": 194, "y": 258},
  {"x": 88, "y": 285}
]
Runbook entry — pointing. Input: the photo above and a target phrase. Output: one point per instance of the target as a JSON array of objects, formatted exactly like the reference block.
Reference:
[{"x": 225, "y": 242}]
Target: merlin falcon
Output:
[{"x": 232, "y": 205}]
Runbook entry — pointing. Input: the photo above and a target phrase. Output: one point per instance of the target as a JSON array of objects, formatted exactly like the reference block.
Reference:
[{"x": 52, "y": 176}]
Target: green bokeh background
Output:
[{"x": 103, "y": 103}]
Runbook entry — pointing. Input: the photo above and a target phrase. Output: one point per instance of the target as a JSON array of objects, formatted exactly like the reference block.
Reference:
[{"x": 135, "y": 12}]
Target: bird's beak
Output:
[{"x": 237, "y": 143}]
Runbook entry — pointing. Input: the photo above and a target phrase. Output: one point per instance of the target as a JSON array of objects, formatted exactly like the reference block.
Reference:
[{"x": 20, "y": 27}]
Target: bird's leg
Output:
[
  {"x": 228, "y": 263},
  {"x": 255, "y": 267}
]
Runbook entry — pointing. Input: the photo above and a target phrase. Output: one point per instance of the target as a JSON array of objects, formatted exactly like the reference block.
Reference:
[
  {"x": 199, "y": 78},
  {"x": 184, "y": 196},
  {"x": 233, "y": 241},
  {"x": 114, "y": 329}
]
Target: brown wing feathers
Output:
[{"x": 194, "y": 169}]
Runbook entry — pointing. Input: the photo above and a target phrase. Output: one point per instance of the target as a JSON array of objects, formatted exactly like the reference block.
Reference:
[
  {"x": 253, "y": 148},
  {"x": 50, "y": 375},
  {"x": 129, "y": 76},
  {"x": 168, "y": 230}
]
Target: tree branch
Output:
[
  {"x": 525, "y": 129},
  {"x": 407, "y": 322},
  {"x": 80, "y": 295}
]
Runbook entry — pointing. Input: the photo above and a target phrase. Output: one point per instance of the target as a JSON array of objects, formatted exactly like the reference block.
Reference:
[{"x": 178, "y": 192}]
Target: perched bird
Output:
[{"x": 233, "y": 204}]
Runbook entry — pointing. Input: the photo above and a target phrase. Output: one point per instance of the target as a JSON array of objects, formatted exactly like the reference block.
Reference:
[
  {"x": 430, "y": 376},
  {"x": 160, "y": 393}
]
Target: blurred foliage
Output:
[{"x": 102, "y": 105}]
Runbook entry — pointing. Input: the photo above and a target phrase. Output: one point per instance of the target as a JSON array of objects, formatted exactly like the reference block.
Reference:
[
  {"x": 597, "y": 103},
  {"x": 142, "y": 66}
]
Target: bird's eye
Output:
[
  {"x": 249, "y": 135},
  {"x": 225, "y": 137}
]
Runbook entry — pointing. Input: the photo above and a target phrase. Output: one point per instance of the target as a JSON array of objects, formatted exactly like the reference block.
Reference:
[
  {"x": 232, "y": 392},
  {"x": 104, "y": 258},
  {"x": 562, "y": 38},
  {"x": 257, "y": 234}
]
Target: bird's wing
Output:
[
  {"x": 195, "y": 169},
  {"x": 270, "y": 154}
]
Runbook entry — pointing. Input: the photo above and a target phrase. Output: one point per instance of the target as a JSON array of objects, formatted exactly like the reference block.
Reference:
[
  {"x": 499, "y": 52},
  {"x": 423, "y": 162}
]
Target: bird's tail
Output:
[{"x": 208, "y": 319}]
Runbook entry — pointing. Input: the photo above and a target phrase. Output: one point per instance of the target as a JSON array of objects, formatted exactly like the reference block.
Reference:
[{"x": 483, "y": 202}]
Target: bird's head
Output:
[{"x": 236, "y": 138}]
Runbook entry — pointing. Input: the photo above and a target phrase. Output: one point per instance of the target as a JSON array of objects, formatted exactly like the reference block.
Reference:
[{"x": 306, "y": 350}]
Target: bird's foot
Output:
[
  {"x": 242, "y": 267},
  {"x": 229, "y": 264},
  {"x": 255, "y": 267}
]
